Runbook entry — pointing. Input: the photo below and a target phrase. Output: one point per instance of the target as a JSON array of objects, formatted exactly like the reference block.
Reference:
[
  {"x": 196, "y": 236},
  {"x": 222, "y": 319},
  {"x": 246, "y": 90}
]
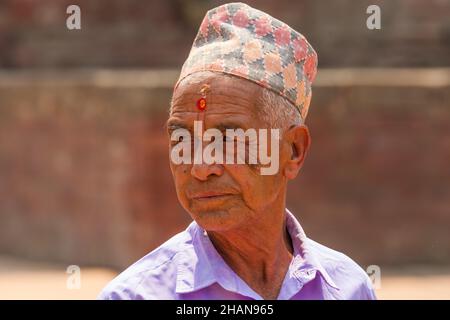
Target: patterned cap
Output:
[{"x": 239, "y": 40}]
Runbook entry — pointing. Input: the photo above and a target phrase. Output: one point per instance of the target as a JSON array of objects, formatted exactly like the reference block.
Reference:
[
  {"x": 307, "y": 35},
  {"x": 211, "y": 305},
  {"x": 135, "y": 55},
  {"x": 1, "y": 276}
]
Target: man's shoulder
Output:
[
  {"x": 154, "y": 275},
  {"x": 352, "y": 281}
]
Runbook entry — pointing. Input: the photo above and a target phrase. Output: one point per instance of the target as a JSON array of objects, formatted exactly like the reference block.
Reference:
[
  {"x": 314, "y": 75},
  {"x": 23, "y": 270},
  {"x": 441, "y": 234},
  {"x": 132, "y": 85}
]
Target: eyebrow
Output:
[
  {"x": 171, "y": 126},
  {"x": 231, "y": 125},
  {"x": 174, "y": 125}
]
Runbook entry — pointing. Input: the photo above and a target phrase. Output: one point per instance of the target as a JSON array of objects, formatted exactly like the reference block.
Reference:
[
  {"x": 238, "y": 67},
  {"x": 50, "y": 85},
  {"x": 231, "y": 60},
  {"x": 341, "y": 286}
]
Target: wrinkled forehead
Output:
[{"x": 225, "y": 94}]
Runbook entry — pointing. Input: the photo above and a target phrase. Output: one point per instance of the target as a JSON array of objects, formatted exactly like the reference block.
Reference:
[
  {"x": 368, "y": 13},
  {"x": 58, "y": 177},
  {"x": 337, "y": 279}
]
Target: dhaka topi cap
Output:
[{"x": 245, "y": 42}]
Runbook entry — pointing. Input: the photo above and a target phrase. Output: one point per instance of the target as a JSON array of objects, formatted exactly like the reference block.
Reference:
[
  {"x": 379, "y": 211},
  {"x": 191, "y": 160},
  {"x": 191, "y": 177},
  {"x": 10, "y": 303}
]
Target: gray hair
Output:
[{"x": 277, "y": 111}]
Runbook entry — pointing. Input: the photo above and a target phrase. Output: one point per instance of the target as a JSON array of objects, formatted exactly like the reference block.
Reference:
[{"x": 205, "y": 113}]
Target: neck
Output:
[{"x": 259, "y": 252}]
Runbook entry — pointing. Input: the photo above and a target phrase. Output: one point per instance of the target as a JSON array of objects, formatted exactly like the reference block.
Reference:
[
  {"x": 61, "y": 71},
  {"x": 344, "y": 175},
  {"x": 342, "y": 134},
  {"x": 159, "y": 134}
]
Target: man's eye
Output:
[{"x": 176, "y": 141}]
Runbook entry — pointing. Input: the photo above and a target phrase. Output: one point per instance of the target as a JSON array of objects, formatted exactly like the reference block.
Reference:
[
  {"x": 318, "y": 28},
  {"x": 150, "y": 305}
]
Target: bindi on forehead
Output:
[
  {"x": 215, "y": 94},
  {"x": 201, "y": 103}
]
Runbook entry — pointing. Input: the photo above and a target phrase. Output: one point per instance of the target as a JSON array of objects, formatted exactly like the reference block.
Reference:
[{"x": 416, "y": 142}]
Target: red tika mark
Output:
[{"x": 201, "y": 104}]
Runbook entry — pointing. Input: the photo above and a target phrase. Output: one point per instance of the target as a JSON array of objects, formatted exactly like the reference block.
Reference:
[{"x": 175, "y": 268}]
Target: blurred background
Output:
[{"x": 84, "y": 167}]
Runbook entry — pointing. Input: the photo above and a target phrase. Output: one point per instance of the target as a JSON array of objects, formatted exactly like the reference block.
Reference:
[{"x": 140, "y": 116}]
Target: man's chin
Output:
[{"x": 215, "y": 220}]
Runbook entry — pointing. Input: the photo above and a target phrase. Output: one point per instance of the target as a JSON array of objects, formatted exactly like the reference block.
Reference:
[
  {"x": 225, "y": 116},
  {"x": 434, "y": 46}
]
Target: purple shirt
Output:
[{"x": 188, "y": 267}]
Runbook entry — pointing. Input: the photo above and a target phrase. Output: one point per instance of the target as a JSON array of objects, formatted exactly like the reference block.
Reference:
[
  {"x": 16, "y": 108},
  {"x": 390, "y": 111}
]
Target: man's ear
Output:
[{"x": 299, "y": 140}]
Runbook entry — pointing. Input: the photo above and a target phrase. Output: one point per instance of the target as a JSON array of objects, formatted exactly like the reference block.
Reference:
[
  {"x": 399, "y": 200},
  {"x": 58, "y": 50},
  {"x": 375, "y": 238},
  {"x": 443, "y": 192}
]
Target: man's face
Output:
[{"x": 222, "y": 196}]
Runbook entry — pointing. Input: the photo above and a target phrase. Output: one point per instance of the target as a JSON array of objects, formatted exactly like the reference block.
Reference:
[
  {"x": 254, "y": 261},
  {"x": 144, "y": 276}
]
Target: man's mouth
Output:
[{"x": 206, "y": 196}]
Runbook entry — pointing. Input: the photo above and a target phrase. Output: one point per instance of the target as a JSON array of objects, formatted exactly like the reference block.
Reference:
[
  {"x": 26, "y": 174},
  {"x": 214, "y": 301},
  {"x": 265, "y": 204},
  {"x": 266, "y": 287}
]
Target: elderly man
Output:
[{"x": 248, "y": 71}]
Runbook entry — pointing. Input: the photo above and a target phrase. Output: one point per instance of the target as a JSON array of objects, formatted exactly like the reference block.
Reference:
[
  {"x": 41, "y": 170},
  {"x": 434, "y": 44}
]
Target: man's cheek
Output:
[
  {"x": 178, "y": 178},
  {"x": 182, "y": 177},
  {"x": 249, "y": 192},
  {"x": 180, "y": 171}
]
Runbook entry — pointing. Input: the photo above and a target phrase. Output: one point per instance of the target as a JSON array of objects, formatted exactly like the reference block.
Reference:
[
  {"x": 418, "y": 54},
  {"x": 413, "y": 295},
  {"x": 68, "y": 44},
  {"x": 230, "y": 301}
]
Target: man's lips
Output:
[{"x": 210, "y": 195}]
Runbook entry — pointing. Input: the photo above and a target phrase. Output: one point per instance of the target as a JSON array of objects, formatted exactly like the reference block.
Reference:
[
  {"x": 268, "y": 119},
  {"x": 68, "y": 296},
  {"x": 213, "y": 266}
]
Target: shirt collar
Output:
[
  {"x": 304, "y": 252},
  {"x": 199, "y": 265}
]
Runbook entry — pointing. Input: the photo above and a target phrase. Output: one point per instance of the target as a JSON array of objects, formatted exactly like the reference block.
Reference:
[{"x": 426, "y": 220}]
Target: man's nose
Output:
[{"x": 203, "y": 171}]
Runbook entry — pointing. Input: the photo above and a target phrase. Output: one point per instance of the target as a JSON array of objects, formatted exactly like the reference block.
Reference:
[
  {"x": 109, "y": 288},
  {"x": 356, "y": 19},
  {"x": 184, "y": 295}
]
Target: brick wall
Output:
[
  {"x": 85, "y": 179},
  {"x": 135, "y": 33}
]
